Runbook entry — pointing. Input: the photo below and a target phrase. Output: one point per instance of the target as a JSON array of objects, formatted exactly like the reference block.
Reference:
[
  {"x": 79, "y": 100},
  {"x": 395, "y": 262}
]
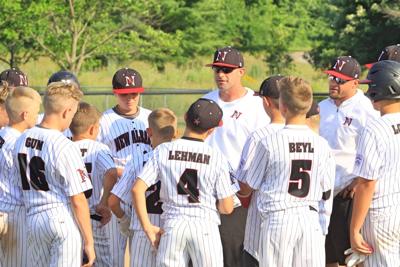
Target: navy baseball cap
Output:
[
  {"x": 63, "y": 76},
  {"x": 14, "y": 77},
  {"x": 204, "y": 114},
  {"x": 227, "y": 57},
  {"x": 269, "y": 87},
  {"x": 126, "y": 81},
  {"x": 346, "y": 68},
  {"x": 391, "y": 52}
]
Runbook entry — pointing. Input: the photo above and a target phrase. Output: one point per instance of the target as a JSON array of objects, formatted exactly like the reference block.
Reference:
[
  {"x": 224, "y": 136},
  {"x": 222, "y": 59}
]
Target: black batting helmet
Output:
[
  {"x": 384, "y": 80},
  {"x": 63, "y": 76}
]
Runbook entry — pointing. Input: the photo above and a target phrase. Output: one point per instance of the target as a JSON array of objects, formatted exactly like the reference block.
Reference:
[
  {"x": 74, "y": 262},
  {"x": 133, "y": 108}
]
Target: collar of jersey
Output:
[
  {"x": 297, "y": 126},
  {"x": 192, "y": 139},
  {"x": 131, "y": 117},
  {"x": 351, "y": 100}
]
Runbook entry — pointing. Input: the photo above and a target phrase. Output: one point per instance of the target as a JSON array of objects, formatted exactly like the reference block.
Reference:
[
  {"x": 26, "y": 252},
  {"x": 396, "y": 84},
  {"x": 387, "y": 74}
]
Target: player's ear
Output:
[
  {"x": 24, "y": 115},
  {"x": 92, "y": 129},
  {"x": 149, "y": 132}
]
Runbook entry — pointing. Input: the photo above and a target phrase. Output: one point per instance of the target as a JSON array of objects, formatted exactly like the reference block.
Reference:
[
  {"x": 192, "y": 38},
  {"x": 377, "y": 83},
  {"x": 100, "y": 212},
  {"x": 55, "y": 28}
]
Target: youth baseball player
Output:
[
  {"x": 22, "y": 107},
  {"x": 293, "y": 169},
  {"x": 375, "y": 224},
  {"x": 343, "y": 116},
  {"x": 243, "y": 114},
  {"x": 194, "y": 177},
  {"x": 123, "y": 130},
  {"x": 269, "y": 92},
  {"x": 100, "y": 166},
  {"x": 53, "y": 178}
]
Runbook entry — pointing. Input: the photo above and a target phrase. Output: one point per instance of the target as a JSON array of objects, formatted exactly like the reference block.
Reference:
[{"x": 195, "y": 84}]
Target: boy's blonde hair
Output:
[
  {"x": 21, "y": 99},
  {"x": 296, "y": 94},
  {"x": 60, "y": 95},
  {"x": 86, "y": 116},
  {"x": 4, "y": 91},
  {"x": 163, "y": 122}
]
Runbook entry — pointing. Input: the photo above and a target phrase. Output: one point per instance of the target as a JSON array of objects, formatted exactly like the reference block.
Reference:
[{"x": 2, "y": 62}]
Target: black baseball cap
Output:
[
  {"x": 269, "y": 87},
  {"x": 14, "y": 77},
  {"x": 126, "y": 81},
  {"x": 391, "y": 52},
  {"x": 204, "y": 114},
  {"x": 314, "y": 110},
  {"x": 346, "y": 68},
  {"x": 63, "y": 76},
  {"x": 227, "y": 57}
]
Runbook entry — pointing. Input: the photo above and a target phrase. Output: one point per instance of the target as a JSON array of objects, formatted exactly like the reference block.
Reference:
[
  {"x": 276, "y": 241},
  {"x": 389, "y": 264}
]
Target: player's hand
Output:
[
  {"x": 89, "y": 251},
  {"x": 105, "y": 212},
  {"x": 353, "y": 258},
  {"x": 154, "y": 235},
  {"x": 348, "y": 191},
  {"x": 359, "y": 245},
  {"x": 124, "y": 224}
]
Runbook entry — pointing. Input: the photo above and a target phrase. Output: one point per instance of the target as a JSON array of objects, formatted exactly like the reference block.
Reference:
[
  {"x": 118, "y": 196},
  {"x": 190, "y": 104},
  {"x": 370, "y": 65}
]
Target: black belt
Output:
[{"x": 96, "y": 217}]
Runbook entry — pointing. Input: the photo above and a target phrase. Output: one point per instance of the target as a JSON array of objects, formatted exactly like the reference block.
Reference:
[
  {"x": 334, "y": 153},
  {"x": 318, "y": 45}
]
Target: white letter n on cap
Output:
[
  {"x": 221, "y": 55},
  {"x": 130, "y": 80},
  {"x": 339, "y": 64}
]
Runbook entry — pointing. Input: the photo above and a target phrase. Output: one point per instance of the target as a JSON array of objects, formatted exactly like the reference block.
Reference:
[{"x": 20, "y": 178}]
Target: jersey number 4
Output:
[
  {"x": 187, "y": 185},
  {"x": 36, "y": 173},
  {"x": 153, "y": 203},
  {"x": 299, "y": 182}
]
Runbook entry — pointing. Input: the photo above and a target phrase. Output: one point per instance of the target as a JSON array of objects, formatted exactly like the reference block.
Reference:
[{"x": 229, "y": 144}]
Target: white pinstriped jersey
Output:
[
  {"x": 241, "y": 117},
  {"x": 124, "y": 136},
  {"x": 51, "y": 169},
  {"x": 378, "y": 159},
  {"x": 10, "y": 194},
  {"x": 193, "y": 176},
  {"x": 341, "y": 127},
  {"x": 98, "y": 160},
  {"x": 67, "y": 131},
  {"x": 292, "y": 168},
  {"x": 253, "y": 222}
]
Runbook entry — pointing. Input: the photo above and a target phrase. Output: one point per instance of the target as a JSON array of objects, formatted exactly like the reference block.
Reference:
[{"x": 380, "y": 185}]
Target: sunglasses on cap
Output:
[
  {"x": 337, "y": 80},
  {"x": 225, "y": 70}
]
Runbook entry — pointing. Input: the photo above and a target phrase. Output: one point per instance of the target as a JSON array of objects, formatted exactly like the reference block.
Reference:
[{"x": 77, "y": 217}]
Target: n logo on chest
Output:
[
  {"x": 236, "y": 114},
  {"x": 347, "y": 121}
]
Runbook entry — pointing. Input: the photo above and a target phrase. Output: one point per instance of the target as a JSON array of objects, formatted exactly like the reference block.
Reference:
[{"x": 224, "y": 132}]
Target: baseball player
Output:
[
  {"x": 100, "y": 166},
  {"x": 123, "y": 130},
  {"x": 243, "y": 114},
  {"x": 194, "y": 177},
  {"x": 9, "y": 79},
  {"x": 162, "y": 128},
  {"x": 375, "y": 224},
  {"x": 342, "y": 118},
  {"x": 269, "y": 92},
  {"x": 391, "y": 52},
  {"x": 22, "y": 107},
  {"x": 293, "y": 169},
  {"x": 53, "y": 178}
]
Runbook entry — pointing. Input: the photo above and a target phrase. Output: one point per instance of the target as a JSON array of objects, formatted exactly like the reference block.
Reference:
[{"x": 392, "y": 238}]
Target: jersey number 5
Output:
[
  {"x": 36, "y": 173},
  {"x": 188, "y": 185},
  {"x": 299, "y": 182}
]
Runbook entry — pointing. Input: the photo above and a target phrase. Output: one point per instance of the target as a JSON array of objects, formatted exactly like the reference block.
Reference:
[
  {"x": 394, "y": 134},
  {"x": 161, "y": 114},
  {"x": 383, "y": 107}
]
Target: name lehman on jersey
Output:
[{"x": 189, "y": 156}]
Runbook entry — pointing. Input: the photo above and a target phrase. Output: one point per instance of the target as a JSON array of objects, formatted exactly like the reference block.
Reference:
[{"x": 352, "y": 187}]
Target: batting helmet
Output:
[
  {"x": 384, "y": 80},
  {"x": 63, "y": 76}
]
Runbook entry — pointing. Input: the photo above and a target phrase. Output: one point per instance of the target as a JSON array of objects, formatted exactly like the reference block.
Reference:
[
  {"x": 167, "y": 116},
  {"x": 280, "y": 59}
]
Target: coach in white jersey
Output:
[
  {"x": 195, "y": 185},
  {"x": 22, "y": 107},
  {"x": 123, "y": 130},
  {"x": 100, "y": 166},
  {"x": 343, "y": 116},
  {"x": 243, "y": 114},
  {"x": 9, "y": 79},
  {"x": 269, "y": 92},
  {"x": 376, "y": 208},
  {"x": 53, "y": 179},
  {"x": 293, "y": 169}
]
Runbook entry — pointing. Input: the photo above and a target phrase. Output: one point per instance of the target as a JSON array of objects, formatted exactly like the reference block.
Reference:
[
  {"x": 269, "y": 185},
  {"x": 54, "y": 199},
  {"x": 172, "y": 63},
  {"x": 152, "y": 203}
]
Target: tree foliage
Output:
[{"x": 359, "y": 28}]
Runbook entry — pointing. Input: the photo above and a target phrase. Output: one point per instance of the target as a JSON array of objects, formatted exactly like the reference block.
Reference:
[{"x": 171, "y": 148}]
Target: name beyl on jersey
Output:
[
  {"x": 34, "y": 143},
  {"x": 138, "y": 136},
  {"x": 300, "y": 147},
  {"x": 189, "y": 156}
]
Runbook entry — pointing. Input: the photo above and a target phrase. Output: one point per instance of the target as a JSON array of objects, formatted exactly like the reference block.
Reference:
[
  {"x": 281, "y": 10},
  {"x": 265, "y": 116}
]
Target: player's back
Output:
[
  {"x": 10, "y": 194},
  {"x": 50, "y": 169},
  {"x": 297, "y": 167},
  {"x": 380, "y": 146},
  {"x": 193, "y": 177},
  {"x": 97, "y": 158}
]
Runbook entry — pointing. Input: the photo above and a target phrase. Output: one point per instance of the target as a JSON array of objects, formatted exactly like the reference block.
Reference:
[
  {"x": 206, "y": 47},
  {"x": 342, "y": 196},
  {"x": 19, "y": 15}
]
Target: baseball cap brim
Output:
[
  {"x": 365, "y": 81},
  {"x": 369, "y": 65},
  {"x": 222, "y": 65},
  {"x": 339, "y": 75},
  {"x": 121, "y": 91}
]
